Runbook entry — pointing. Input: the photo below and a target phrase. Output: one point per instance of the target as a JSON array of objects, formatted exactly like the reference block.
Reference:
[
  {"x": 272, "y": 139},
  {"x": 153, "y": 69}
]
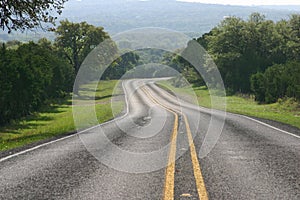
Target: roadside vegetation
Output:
[
  {"x": 259, "y": 62},
  {"x": 257, "y": 58},
  {"x": 57, "y": 118},
  {"x": 37, "y": 80},
  {"x": 284, "y": 110}
]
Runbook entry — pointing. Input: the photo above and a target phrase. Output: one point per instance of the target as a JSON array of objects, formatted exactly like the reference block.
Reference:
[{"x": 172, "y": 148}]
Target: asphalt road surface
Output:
[{"x": 161, "y": 148}]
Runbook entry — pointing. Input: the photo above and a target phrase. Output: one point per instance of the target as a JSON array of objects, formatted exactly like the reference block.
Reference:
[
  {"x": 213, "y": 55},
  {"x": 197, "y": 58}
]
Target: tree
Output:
[
  {"x": 278, "y": 81},
  {"x": 30, "y": 76},
  {"x": 76, "y": 40},
  {"x": 294, "y": 39},
  {"x": 258, "y": 86},
  {"x": 257, "y": 18},
  {"x": 63, "y": 73},
  {"x": 26, "y": 14},
  {"x": 241, "y": 48},
  {"x": 121, "y": 65},
  {"x": 226, "y": 44}
]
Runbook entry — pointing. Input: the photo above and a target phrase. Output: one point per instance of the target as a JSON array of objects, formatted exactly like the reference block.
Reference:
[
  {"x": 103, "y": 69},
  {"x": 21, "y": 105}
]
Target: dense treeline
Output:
[
  {"x": 268, "y": 52},
  {"x": 278, "y": 81},
  {"x": 121, "y": 65},
  {"x": 31, "y": 74},
  {"x": 185, "y": 70},
  {"x": 256, "y": 55}
]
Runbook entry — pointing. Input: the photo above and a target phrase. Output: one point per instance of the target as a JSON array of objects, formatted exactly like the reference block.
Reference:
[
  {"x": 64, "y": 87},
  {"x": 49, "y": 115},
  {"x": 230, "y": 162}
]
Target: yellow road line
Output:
[
  {"x": 170, "y": 171},
  {"x": 196, "y": 165}
]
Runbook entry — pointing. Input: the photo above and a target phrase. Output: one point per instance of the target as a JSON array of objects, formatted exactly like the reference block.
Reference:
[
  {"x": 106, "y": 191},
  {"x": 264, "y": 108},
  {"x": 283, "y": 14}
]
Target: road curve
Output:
[{"x": 152, "y": 153}]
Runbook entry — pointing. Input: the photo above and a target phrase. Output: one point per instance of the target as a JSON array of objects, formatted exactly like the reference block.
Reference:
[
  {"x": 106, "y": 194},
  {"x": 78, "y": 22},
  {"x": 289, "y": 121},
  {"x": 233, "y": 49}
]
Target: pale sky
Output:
[{"x": 248, "y": 2}]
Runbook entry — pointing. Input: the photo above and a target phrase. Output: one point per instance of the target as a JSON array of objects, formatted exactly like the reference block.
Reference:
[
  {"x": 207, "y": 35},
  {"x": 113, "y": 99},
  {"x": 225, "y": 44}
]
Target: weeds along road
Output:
[{"x": 152, "y": 153}]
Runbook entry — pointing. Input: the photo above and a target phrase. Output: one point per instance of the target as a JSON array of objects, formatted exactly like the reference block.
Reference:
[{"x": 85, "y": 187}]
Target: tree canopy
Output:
[
  {"x": 257, "y": 56},
  {"x": 241, "y": 48},
  {"x": 76, "y": 40},
  {"x": 27, "y": 14},
  {"x": 34, "y": 72}
]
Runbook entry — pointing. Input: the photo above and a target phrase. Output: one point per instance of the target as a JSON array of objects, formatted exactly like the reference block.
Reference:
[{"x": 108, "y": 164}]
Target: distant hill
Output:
[{"x": 193, "y": 19}]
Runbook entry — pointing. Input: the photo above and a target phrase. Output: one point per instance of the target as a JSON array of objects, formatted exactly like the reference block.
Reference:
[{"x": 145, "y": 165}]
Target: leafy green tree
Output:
[
  {"x": 225, "y": 44},
  {"x": 278, "y": 81},
  {"x": 21, "y": 15},
  {"x": 76, "y": 40},
  {"x": 258, "y": 86},
  {"x": 294, "y": 37},
  {"x": 121, "y": 65},
  {"x": 63, "y": 72},
  {"x": 31, "y": 75},
  {"x": 291, "y": 79},
  {"x": 26, "y": 74},
  {"x": 8, "y": 74},
  {"x": 185, "y": 69},
  {"x": 242, "y": 48}
]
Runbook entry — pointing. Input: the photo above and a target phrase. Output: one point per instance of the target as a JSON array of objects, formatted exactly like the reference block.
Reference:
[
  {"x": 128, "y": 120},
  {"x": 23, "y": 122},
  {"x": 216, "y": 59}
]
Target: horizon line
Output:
[{"x": 236, "y": 4}]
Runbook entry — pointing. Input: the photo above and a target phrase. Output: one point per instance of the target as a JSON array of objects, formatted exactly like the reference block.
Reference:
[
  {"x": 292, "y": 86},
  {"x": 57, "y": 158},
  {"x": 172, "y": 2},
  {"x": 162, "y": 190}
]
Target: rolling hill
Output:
[{"x": 116, "y": 16}]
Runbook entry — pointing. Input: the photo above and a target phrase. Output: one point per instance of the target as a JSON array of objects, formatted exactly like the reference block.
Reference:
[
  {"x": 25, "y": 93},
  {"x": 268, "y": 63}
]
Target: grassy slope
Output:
[
  {"x": 287, "y": 112},
  {"x": 56, "y": 119}
]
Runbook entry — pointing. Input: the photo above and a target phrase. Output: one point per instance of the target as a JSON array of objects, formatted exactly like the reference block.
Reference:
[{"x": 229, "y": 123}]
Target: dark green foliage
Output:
[
  {"x": 184, "y": 68},
  {"x": 120, "y": 66},
  {"x": 242, "y": 48},
  {"x": 21, "y": 15},
  {"x": 258, "y": 86},
  {"x": 77, "y": 40},
  {"x": 278, "y": 81},
  {"x": 147, "y": 56},
  {"x": 30, "y": 75},
  {"x": 293, "y": 44},
  {"x": 143, "y": 63}
]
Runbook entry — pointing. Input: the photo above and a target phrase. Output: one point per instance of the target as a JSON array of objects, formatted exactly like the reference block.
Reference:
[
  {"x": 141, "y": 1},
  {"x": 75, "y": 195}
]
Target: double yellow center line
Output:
[{"x": 170, "y": 170}]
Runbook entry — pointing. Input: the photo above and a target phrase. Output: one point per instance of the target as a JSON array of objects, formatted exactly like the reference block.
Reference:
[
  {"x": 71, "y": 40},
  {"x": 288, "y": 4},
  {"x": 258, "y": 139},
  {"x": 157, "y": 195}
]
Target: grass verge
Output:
[
  {"x": 287, "y": 111},
  {"x": 57, "y": 119}
]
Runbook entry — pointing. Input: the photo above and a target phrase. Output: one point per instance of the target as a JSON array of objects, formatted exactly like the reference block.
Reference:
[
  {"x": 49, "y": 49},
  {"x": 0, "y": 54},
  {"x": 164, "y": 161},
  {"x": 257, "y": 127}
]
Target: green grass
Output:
[
  {"x": 57, "y": 119},
  {"x": 287, "y": 111}
]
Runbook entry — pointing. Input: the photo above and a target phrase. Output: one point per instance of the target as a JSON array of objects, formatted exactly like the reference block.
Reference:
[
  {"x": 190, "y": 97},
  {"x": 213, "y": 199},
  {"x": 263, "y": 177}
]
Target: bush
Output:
[
  {"x": 30, "y": 75},
  {"x": 277, "y": 82}
]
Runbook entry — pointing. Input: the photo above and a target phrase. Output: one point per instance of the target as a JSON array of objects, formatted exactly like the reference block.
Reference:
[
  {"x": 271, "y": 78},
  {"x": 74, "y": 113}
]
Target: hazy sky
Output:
[{"x": 249, "y": 2}]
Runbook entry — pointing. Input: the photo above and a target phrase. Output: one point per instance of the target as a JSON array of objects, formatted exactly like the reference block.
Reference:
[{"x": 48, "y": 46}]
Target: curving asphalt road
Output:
[{"x": 132, "y": 157}]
